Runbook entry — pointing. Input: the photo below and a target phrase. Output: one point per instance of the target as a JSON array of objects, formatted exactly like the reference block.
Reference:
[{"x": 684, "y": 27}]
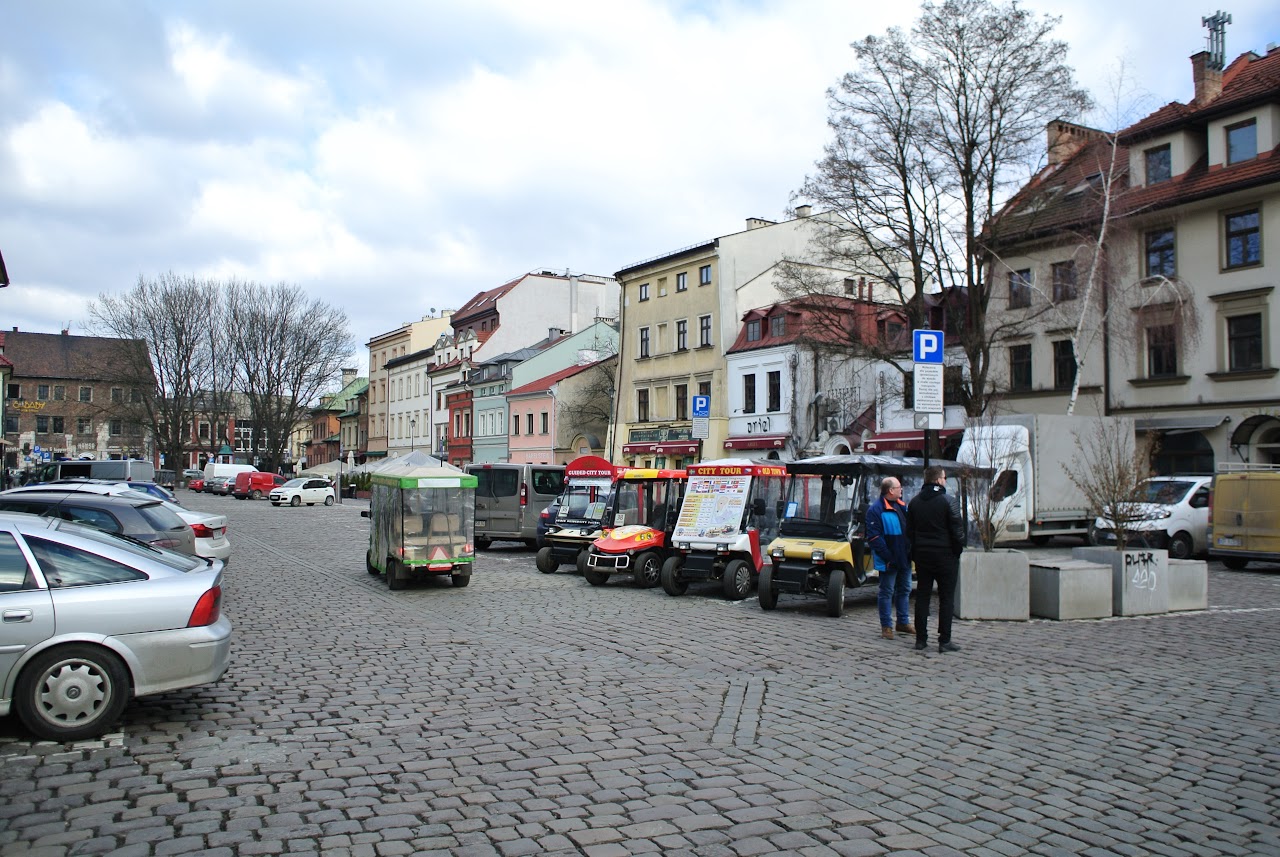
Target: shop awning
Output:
[
  {"x": 677, "y": 447},
  {"x": 756, "y": 441},
  {"x": 900, "y": 440},
  {"x": 638, "y": 448},
  {"x": 1178, "y": 425}
]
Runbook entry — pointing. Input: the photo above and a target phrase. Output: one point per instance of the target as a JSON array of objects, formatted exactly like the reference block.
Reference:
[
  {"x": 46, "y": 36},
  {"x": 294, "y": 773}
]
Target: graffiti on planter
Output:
[{"x": 1140, "y": 568}]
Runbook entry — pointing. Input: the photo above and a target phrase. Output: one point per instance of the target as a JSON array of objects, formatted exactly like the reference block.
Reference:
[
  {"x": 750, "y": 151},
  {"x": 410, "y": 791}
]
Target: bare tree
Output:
[
  {"x": 1109, "y": 469},
  {"x": 287, "y": 349},
  {"x": 588, "y": 407},
  {"x": 933, "y": 131},
  {"x": 165, "y": 356},
  {"x": 986, "y": 485}
]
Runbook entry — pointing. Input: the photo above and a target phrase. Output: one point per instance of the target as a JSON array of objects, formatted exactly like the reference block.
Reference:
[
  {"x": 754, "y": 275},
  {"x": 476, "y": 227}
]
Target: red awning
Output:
[
  {"x": 900, "y": 440},
  {"x": 638, "y": 448},
  {"x": 757, "y": 441},
  {"x": 678, "y": 447}
]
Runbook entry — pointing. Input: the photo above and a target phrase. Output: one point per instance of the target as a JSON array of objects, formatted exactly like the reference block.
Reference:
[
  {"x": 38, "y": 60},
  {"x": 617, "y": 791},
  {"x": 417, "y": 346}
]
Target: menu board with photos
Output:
[{"x": 713, "y": 507}]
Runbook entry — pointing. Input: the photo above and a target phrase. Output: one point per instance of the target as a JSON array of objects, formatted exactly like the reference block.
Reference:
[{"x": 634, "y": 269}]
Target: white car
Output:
[
  {"x": 1173, "y": 514},
  {"x": 307, "y": 490}
]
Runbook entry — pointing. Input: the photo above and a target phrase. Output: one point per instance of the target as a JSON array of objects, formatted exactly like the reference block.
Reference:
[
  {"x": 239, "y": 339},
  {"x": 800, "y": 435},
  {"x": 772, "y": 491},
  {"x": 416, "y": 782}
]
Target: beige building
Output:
[
  {"x": 408, "y": 338},
  {"x": 1181, "y": 333}
]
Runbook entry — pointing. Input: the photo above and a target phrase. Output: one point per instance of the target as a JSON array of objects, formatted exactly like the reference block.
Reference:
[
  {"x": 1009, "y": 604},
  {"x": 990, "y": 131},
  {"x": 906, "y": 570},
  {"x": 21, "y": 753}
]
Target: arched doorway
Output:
[{"x": 1257, "y": 439}]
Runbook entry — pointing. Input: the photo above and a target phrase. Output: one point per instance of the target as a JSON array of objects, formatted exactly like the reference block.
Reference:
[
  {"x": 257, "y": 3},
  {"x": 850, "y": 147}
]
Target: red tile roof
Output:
[{"x": 546, "y": 383}]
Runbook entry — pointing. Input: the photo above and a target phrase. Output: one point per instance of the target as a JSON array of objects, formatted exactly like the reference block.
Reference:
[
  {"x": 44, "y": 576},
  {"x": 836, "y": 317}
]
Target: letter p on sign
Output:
[{"x": 926, "y": 346}]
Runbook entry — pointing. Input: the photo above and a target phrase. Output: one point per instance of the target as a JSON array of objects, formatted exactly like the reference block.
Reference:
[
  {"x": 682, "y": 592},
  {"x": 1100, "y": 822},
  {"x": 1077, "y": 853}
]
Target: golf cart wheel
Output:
[
  {"x": 460, "y": 580},
  {"x": 673, "y": 580},
  {"x": 835, "y": 592},
  {"x": 369, "y": 566},
  {"x": 581, "y": 563},
  {"x": 768, "y": 592},
  {"x": 397, "y": 575},
  {"x": 648, "y": 570},
  {"x": 545, "y": 561},
  {"x": 595, "y": 578},
  {"x": 736, "y": 580}
]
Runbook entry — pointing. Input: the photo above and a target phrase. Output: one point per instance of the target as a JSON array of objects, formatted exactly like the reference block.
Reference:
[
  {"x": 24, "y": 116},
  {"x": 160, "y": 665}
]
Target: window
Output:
[
  {"x": 528, "y": 423},
  {"x": 682, "y": 401},
  {"x": 204, "y": 430},
  {"x": 682, "y": 282},
  {"x": 543, "y": 417},
  {"x": 1242, "y": 142},
  {"x": 1064, "y": 364},
  {"x": 778, "y": 325},
  {"x": 86, "y": 394},
  {"x": 1162, "y": 351},
  {"x": 1159, "y": 164},
  {"x": 704, "y": 275},
  {"x": 644, "y": 291},
  {"x": 682, "y": 335},
  {"x": 42, "y": 424},
  {"x": 1020, "y": 288},
  {"x": 15, "y": 391},
  {"x": 1020, "y": 367},
  {"x": 67, "y": 566},
  {"x": 642, "y": 406},
  {"x": 1064, "y": 281},
  {"x": 42, "y": 392},
  {"x": 59, "y": 425},
  {"x": 59, "y": 393},
  {"x": 753, "y": 331},
  {"x": 14, "y": 574},
  {"x": 1244, "y": 342},
  {"x": 704, "y": 331},
  {"x": 775, "y": 392},
  {"x": 644, "y": 342},
  {"x": 1160, "y": 253},
  {"x": 892, "y": 332},
  {"x": 704, "y": 388},
  {"x": 749, "y": 394},
  {"x": 117, "y": 394},
  {"x": 10, "y": 422},
  {"x": 1244, "y": 239}
]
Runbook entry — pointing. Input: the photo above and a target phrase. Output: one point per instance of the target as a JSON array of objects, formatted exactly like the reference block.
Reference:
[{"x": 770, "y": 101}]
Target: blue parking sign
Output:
[
  {"x": 926, "y": 346},
  {"x": 701, "y": 407}
]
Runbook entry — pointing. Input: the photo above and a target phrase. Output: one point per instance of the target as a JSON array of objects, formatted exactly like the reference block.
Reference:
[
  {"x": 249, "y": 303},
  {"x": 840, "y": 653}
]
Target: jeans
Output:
[{"x": 895, "y": 595}]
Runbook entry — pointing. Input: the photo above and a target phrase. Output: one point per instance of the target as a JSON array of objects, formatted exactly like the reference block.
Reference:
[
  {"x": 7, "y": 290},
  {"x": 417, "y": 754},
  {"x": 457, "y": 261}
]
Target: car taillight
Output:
[
  {"x": 166, "y": 543},
  {"x": 207, "y": 610},
  {"x": 202, "y": 532},
  {"x": 524, "y": 494}
]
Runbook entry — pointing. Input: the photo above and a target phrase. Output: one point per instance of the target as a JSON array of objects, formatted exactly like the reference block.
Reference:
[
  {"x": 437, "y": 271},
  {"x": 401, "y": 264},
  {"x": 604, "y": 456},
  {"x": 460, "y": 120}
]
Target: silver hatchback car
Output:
[{"x": 88, "y": 619}]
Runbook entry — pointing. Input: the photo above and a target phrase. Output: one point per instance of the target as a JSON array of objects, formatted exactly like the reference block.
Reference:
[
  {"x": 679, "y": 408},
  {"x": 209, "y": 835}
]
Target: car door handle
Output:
[{"x": 18, "y": 615}]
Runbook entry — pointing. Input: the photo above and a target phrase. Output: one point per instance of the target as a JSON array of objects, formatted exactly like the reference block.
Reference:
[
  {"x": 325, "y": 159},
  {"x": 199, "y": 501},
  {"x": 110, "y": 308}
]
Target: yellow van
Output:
[{"x": 1244, "y": 514}]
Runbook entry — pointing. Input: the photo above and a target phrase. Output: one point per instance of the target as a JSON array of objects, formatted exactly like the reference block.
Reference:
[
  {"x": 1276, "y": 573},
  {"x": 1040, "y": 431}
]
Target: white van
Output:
[{"x": 230, "y": 471}]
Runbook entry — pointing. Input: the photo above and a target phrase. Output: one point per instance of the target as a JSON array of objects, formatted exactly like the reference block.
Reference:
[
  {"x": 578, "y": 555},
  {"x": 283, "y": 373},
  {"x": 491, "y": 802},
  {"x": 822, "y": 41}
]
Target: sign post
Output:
[{"x": 927, "y": 375}]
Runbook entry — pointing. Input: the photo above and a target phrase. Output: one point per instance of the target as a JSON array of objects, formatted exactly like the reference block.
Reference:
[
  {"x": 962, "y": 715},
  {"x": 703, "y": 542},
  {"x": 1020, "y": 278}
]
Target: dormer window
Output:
[
  {"x": 1242, "y": 142},
  {"x": 753, "y": 330},
  {"x": 1159, "y": 164},
  {"x": 778, "y": 325}
]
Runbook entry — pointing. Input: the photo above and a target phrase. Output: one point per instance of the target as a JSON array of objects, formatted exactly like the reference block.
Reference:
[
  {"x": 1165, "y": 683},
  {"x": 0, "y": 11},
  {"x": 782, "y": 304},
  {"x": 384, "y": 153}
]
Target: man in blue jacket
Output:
[{"x": 891, "y": 554}]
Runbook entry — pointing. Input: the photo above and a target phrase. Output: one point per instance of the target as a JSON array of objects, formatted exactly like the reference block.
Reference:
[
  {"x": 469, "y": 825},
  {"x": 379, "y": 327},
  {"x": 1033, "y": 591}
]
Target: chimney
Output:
[
  {"x": 1064, "y": 139},
  {"x": 758, "y": 222},
  {"x": 804, "y": 210},
  {"x": 348, "y": 375},
  {"x": 1207, "y": 79}
]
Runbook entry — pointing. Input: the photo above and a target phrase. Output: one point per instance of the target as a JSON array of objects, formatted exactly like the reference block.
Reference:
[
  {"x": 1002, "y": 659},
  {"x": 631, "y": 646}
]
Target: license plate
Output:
[
  {"x": 480, "y": 522},
  {"x": 1228, "y": 542}
]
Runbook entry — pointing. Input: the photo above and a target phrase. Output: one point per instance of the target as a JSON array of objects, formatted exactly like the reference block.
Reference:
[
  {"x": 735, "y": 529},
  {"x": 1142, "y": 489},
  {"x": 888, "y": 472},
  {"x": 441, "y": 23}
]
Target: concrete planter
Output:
[
  {"x": 1188, "y": 584},
  {"x": 1139, "y": 578},
  {"x": 1070, "y": 589},
  {"x": 993, "y": 585}
]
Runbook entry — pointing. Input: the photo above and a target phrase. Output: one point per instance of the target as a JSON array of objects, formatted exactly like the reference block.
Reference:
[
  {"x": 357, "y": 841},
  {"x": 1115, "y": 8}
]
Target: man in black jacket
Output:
[{"x": 935, "y": 531}]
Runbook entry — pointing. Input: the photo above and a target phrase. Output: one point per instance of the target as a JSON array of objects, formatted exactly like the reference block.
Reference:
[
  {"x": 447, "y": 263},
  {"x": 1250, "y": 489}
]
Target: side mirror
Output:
[{"x": 364, "y": 513}]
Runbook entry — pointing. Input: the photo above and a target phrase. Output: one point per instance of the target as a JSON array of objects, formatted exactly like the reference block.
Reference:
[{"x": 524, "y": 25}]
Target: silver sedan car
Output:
[{"x": 88, "y": 619}]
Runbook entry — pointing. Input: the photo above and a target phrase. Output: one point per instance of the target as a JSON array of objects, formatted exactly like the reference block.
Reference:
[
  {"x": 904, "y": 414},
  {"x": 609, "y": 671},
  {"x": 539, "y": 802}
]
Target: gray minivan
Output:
[
  {"x": 509, "y": 498},
  {"x": 115, "y": 469}
]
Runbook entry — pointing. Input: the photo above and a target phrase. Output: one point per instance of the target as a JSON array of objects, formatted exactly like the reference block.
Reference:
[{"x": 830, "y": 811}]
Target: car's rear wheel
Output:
[
  {"x": 835, "y": 592},
  {"x": 736, "y": 580},
  {"x": 1234, "y": 563},
  {"x": 545, "y": 561},
  {"x": 71, "y": 692},
  {"x": 768, "y": 592},
  {"x": 673, "y": 580},
  {"x": 483, "y": 544},
  {"x": 1181, "y": 546},
  {"x": 256, "y": 494},
  {"x": 328, "y": 501},
  {"x": 295, "y": 500},
  {"x": 648, "y": 570}
]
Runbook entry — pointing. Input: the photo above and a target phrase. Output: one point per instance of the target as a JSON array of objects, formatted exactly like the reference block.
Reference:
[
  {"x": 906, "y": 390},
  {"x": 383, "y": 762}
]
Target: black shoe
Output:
[
  {"x": 947, "y": 647},
  {"x": 921, "y": 645}
]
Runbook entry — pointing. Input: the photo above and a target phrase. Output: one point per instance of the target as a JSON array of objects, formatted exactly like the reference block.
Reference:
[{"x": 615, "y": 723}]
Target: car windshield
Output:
[
  {"x": 1166, "y": 492},
  {"x": 179, "y": 561},
  {"x": 294, "y": 483}
]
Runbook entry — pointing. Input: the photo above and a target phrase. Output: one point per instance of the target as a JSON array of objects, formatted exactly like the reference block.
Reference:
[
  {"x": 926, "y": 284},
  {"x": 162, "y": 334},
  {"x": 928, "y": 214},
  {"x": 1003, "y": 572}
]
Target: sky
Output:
[{"x": 396, "y": 157}]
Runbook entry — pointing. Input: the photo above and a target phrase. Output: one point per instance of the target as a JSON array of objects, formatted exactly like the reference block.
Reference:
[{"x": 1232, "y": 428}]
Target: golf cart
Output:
[
  {"x": 422, "y": 521},
  {"x": 727, "y": 520},
  {"x": 638, "y": 523},
  {"x": 579, "y": 521},
  {"x": 820, "y": 548}
]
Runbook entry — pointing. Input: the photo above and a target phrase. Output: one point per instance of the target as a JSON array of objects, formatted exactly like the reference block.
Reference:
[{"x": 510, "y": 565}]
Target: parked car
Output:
[
  {"x": 309, "y": 490},
  {"x": 196, "y": 483},
  {"x": 151, "y": 488},
  {"x": 191, "y": 473},
  {"x": 130, "y": 621},
  {"x": 545, "y": 519},
  {"x": 1172, "y": 514},
  {"x": 219, "y": 485},
  {"x": 255, "y": 484},
  {"x": 146, "y": 520}
]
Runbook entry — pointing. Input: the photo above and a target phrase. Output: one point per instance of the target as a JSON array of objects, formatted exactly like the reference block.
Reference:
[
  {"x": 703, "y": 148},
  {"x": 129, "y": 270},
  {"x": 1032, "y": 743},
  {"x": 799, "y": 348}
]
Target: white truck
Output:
[{"x": 1031, "y": 457}]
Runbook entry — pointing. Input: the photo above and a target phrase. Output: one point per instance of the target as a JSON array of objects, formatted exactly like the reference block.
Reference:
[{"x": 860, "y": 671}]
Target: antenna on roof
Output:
[{"x": 1217, "y": 24}]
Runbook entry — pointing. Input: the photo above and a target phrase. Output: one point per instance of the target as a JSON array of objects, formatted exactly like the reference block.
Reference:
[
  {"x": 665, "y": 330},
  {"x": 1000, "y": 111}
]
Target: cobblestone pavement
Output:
[{"x": 534, "y": 714}]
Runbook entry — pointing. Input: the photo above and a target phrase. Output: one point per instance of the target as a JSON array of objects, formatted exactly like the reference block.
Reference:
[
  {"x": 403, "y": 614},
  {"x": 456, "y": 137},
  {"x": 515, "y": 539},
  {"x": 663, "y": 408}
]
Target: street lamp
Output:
[{"x": 413, "y": 426}]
